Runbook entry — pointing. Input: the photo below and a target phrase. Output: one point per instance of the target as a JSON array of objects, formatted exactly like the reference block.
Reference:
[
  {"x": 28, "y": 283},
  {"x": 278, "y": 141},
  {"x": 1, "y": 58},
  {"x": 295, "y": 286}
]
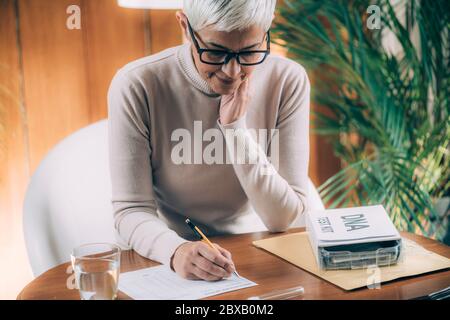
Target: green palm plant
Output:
[{"x": 387, "y": 113}]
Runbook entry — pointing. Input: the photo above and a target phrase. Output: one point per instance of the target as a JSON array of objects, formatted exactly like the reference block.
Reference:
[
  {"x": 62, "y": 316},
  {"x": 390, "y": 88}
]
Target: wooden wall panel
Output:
[
  {"x": 14, "y": 172},
  {"x": 113, "y": 36},
  {"x": 54, "y": 74},
  {"x": 164, "y": 30},
  {"x": 322, "y": 163}
]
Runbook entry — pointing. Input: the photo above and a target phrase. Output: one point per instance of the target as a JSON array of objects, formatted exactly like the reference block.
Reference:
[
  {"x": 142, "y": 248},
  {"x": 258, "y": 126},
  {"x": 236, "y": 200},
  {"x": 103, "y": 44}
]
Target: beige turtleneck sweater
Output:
[{"x": 149, "y": 99}]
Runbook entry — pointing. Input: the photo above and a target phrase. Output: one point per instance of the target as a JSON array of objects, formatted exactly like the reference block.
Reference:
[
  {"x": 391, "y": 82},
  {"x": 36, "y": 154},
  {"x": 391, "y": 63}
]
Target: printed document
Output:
[{"x": 161, "y": 283}]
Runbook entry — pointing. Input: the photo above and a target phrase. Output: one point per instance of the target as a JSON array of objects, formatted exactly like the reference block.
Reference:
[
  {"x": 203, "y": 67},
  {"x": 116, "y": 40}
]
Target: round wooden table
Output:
[{"x": 269, "y": 271}]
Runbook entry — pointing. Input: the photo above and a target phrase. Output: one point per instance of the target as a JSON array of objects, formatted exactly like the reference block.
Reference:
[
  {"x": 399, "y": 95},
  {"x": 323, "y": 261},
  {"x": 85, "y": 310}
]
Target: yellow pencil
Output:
[{"x": 204, "y": 238}]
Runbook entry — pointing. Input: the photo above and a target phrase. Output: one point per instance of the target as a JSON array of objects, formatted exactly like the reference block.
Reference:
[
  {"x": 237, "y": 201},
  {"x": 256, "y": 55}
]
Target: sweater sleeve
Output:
[
  {"x": 276, "y": 188},
  {"x": 134, "y": 206}
]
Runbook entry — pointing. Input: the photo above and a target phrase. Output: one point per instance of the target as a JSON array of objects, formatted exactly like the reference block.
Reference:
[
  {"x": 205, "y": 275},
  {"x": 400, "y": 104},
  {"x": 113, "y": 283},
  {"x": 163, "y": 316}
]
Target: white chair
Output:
[{"x": 68, "y": 199}]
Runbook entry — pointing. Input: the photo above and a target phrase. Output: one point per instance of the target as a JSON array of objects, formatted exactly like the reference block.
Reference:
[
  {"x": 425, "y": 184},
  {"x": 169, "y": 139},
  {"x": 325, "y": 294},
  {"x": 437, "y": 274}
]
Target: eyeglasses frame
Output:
[{"x": 229, "y": 54}]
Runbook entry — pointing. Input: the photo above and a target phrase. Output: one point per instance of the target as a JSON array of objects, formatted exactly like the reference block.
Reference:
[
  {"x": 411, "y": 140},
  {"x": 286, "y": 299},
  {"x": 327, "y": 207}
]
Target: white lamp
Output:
[{"x": 151, "y": 4}]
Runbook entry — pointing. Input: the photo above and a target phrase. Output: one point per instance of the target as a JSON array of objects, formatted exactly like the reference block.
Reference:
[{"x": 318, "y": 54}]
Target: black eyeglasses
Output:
[{"x": 221, "y": 57}]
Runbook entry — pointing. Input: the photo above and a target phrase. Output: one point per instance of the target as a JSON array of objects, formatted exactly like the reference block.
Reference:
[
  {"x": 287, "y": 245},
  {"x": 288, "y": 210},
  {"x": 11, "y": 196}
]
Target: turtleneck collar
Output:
[{"x": 189, "y": 69}]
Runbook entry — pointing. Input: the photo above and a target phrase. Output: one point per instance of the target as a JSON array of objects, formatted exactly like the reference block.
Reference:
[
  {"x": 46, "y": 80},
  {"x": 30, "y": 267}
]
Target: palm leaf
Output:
[{"x": 389, "y": 112}]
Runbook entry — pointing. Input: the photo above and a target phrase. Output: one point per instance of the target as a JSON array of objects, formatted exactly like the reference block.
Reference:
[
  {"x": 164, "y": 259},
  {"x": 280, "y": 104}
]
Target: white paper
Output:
[{"x": 161, "y": 283}]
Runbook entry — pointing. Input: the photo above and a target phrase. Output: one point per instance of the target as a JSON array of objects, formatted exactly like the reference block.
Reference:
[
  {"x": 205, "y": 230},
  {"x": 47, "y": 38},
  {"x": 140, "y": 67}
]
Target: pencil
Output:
[{"x": 200, "y": 234}]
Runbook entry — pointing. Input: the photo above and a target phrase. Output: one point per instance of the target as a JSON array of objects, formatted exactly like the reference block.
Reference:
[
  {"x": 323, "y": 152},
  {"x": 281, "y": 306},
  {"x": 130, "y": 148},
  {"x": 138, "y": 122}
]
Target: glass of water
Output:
[{"x": 97, "y": 268}]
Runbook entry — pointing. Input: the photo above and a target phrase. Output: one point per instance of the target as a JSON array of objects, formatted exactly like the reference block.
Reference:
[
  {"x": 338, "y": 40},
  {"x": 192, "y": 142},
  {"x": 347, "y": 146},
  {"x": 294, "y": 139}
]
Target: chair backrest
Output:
[{"x": 68, "y": 200}]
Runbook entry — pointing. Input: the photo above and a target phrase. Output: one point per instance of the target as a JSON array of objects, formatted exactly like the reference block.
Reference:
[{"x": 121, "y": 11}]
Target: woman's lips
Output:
[{"x": 226, "y": 81}]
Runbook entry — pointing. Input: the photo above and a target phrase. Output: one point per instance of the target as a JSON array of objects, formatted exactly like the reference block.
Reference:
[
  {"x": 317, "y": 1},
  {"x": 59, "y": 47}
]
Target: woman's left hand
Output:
[{"x": 234, "y": 106}]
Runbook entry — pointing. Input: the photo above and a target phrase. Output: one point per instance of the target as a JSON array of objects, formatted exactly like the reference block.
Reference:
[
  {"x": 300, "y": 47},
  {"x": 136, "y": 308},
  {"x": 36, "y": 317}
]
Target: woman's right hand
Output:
[{"x": 196, "y": 260}]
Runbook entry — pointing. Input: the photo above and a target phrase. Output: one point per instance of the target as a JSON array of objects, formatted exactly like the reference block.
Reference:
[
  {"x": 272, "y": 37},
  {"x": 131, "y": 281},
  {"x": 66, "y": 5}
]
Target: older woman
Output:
[{"x": 222, "y": 81}]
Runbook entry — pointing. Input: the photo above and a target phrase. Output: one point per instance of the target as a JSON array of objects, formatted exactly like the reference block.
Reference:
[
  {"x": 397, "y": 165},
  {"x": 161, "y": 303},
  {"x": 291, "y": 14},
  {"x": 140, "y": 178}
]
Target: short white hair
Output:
[{"x": 229, "y": 15}]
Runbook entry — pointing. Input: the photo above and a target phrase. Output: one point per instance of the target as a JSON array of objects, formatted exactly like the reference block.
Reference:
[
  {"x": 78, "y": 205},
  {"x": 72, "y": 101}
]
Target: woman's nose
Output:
[{"x": 232, "y": 69}]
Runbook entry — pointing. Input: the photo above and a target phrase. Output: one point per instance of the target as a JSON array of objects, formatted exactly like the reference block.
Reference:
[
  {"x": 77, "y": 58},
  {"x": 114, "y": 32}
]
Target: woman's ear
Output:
[{"x": 182, "y": 21}]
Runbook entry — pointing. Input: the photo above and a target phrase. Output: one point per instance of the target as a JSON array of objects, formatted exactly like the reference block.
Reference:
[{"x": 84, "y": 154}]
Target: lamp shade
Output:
[{"x": 151, "y": 4}]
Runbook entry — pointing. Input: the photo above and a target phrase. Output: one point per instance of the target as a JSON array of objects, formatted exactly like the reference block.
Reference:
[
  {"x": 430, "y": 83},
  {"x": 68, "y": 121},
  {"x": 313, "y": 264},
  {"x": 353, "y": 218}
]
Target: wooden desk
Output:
[{"x": 269, "y": 271}]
